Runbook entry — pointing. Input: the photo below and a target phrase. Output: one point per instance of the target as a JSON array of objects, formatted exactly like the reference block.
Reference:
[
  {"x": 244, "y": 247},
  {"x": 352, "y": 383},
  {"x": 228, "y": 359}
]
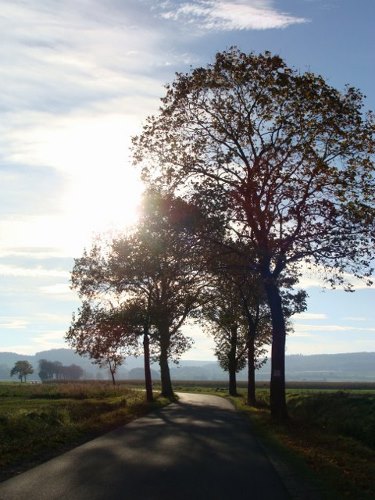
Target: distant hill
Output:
[
  {"x": 351, "y": 367},
  {"x": 358, "y": 366}
]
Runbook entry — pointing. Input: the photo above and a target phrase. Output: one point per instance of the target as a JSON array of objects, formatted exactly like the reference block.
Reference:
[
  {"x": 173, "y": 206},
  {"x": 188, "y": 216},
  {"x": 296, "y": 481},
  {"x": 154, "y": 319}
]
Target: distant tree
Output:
[
  {"x": 101, "y": 334},
  {"x": 139, "y": 374},
  {"x": 72, "y": 372},
  {"x": 22, "y": 369},
  {"x": 287, "y": 158},
  {"x": 45, "y": 370},
  {"x": 51, "y": 370},
  {"x": 58, "y": 368},
  {"x": 239, "y": 309},
  {"x": 113, "y": 334}
]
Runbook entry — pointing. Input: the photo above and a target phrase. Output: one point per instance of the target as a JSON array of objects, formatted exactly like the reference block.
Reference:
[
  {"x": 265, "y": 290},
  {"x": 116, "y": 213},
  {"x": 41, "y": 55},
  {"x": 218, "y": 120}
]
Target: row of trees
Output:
[
  {"x": 48, "y": 370},
  {"x": 54, "y": 370},
  {"x": 257, "y": 172}
]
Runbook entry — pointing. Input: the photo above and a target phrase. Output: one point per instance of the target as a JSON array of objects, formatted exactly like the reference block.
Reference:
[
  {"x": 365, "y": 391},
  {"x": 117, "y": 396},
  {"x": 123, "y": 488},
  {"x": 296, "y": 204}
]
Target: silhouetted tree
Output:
[
  {"x": 285, "y": 156},
  {"x": 72, "y": 372},
  {"x": 55, "y": 370},
  {"x": 102, "y": 335},
  {"x": 22, "y": 369},
  {"x": 158, "y": 264}
]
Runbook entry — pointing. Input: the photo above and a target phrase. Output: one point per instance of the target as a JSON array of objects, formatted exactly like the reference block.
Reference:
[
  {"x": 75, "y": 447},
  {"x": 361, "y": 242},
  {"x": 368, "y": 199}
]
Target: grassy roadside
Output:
[
  {"x": 329, "y": 440},
  {"x": 338, "y": 465},
  {"x": 40, "y": 421}
]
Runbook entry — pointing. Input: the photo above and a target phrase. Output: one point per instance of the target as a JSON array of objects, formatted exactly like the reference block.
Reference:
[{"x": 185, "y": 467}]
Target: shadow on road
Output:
[{"x": 187, "y": 450}]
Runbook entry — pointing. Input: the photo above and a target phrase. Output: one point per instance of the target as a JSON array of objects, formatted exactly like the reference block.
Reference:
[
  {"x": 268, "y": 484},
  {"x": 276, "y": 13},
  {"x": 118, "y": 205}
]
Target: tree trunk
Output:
[
  {"x": 166, "y": 383},
  {"x": 113, "y": 376},
  {"x": 232, "y": 382},
  {"x": 148, "y": 379},
  {"x": 232, "y": 365},
  {"x": 251, "y": 399},
  {"x": 277, "y": 387}
]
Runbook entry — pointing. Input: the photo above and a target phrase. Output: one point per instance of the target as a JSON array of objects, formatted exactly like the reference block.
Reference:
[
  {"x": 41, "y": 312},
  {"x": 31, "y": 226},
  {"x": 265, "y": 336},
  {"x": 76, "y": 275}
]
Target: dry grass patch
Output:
[{"x": 329, "y": 439}]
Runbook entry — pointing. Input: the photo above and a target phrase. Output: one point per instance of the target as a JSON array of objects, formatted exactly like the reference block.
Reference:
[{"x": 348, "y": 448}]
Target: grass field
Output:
[{"x": 39, "y": 421}]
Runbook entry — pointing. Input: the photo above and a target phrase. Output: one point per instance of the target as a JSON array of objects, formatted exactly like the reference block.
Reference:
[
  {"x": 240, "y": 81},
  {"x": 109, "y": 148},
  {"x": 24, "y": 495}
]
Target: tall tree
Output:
[
  {"x": 224, "y": 320},
  {"x": 286, "y": 156},
  {"x": 239, "y": 308},
  {"x": 22, "y": 369},
  {"x": 159, "y": 264}
]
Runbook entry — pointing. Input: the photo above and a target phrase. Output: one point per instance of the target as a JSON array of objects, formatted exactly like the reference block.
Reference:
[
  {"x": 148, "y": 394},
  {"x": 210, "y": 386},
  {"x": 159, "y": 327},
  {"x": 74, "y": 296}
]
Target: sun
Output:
[
  {"x": 103, "y": 190},
  {"x": 100, "y": 189},
  {"x": 106, "y": 200}
]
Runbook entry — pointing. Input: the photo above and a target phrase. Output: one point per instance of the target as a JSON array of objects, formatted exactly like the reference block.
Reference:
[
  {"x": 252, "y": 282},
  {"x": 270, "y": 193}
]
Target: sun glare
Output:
[
  {"x": 106, "y": 200},
  {"x": 102, "y": 191}
]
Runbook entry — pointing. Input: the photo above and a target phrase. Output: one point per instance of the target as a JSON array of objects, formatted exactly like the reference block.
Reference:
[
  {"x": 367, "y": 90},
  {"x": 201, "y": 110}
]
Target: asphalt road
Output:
[{"x": 198, "y": 448}]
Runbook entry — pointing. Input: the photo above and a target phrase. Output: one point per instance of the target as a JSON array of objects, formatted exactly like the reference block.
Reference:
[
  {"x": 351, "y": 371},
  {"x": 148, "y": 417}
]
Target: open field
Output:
[{"x": 39, "y": 421}]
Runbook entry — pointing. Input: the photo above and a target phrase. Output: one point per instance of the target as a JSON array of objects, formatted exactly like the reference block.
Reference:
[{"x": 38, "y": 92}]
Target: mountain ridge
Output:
[{"x": 357, "y": 366}]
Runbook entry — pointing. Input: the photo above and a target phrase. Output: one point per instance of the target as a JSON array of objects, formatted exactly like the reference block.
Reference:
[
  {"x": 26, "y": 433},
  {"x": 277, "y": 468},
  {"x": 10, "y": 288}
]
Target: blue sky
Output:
[{"x": 78, "y": 79}]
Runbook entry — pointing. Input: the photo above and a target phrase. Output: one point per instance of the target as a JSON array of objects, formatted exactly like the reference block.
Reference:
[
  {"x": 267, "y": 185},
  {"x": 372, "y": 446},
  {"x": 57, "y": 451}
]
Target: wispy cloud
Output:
[
  {"x": 227, "y": 16},
  {"x": 13, "y": 324},
  {"x": 77, "y": 81},
  {"x": 355, "y": 318},
  {"x": 317, "y": 276},
  {"x": 332, "y": 328},
  {"x": 310, "y": 316},
  {"x": 44, "y": 341},
  {"x": 37, "y": 272},
  {"x": 59, "y": 291}
]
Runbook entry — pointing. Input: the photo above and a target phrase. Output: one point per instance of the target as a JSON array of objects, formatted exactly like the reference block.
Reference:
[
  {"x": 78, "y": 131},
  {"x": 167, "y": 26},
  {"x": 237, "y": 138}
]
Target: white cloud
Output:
[
  {"x": 330, "y": 328},
  {"x": 50, "y": 340},
  {"x": 228, "y": 16},
  {"x": 59, "y": 291},
  {"x": 56, "y": 289},
  {"x": 309, "y": 316},
  {"x": 355, "y": 318},
  {"x": 36, "y": 272},
  {"x": 314, "y": 277},
  {"x": 41, "y": 342},
  {"x": 14, "y": 324},
  {"x": 38, "y": 253},
  {"x": 77, "y": 81},
  {"x": 53, "y": 318}
]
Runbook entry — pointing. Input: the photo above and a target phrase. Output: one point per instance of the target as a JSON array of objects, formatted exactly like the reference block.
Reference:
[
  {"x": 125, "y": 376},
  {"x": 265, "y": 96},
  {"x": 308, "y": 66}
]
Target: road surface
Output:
[{"x": 196, "y": 449}]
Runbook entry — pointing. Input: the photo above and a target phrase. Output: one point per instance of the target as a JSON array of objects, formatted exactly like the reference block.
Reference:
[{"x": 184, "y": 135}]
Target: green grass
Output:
[{"x": 40, "y": 421}]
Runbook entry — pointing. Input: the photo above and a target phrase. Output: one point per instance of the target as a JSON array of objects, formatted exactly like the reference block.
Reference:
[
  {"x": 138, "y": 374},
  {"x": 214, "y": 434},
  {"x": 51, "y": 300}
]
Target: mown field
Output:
[
  {"x": 329, "y": 439},
  {"x": 39, "y": 421}
]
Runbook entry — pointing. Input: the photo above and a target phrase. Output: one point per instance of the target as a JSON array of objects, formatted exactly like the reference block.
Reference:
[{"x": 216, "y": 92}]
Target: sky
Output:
[{"x": 78, "y": 79}]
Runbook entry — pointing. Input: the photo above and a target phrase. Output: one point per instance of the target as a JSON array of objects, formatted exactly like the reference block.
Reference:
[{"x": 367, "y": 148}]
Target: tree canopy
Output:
[
  {"x": 22, "y": 369},
  {"x": 286, "y": 158},
  {"x": 49, "y": 370},
  {"x": 159, "y": 264}
]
